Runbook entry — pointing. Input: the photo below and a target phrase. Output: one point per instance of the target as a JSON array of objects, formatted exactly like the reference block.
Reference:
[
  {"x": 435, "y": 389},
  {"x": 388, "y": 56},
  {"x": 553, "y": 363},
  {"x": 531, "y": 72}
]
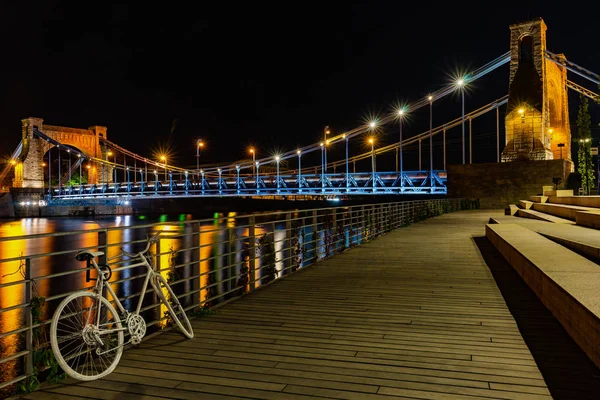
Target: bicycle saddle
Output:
[{"x": 86, "y": 255}]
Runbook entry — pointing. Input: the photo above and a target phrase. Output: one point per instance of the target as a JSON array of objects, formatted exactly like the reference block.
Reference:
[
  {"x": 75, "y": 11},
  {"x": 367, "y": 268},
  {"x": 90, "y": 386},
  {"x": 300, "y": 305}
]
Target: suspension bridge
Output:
[{"x": 51, "y": 159}]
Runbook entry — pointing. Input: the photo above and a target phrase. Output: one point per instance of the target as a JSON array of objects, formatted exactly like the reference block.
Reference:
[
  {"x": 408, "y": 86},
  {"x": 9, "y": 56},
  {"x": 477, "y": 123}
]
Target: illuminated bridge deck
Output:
[{"x": 416, "y": 313}]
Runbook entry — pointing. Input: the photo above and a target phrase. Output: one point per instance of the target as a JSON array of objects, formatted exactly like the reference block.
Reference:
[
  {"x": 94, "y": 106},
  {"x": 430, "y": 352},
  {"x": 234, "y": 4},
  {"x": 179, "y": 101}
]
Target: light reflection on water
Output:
[{"x": 212, "y": 235}]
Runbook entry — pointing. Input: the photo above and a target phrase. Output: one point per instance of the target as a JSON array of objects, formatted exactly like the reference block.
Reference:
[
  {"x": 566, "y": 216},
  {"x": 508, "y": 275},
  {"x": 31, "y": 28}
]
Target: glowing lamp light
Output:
[
  {"x": 237, "y": 167},
  {"x": 371, "y": 140},
  {"x": 277, "y": 158},
  {"x": 460, "y": 82},
  {"x": 251, "y": 150},
  {"x": 551, "y": 130},
  {"x": 429, "y": 97},
  {"x": 401, "y": 112},
  {"x": 521, "y": 111},
  {"x": 186, "y": 172},
  {"x": 155, "y": 172},
  {"x": 79, "y": 155},
  {"x": 372, "y": 124},
  {"x": 13, "y": 162},
  {"x": 322, "y": 144},
  {"x": 219, "y": 170},
  {"x": 88, "y": 166},
  {"x": 298, "y": 152},
  {"x": 257, "y": 163}
]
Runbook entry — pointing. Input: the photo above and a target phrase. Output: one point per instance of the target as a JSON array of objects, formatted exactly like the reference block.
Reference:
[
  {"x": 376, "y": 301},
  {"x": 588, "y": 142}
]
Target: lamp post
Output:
[
  {"x": 257, "y": 188},
  {"x": 299, "y": 170},
  {"x": 371, "y": 140},
  {"x": 347, "y": 173},
  {"x": 253, "y": 152},
  {"x": 322, "y": 167},
  {"x": 69, "y": 151},
  {"x": 461, "y": 84},
  {"x": 400, "y": 118},
  {"x": 164, "y": 160},
  {"x": 79, "y": 155},
  {"x": 199, "y": 144},
  {"x": 432, "y": 181},
  {"x": 237, "y": 168},
  {"x": 277, "y": 178},
  {"x": 326, "y": 132}
]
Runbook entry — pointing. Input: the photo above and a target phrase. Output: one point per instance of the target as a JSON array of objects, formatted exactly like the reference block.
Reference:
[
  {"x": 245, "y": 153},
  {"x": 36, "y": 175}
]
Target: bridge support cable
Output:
[
  {"x": 14, "y": 156},
  {"x": 425, "y": 135},
  {"x": 586, "y": 92},
  {"x": 570, "y": 66}
]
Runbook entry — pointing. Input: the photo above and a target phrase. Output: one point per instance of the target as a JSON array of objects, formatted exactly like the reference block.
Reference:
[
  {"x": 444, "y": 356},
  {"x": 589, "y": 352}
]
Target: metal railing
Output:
[{"x": 206, "y": 261}]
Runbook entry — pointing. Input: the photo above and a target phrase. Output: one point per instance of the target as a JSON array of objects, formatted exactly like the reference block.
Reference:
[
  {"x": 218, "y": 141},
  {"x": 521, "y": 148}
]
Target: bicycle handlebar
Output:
[{"x": 150, "y": 240}]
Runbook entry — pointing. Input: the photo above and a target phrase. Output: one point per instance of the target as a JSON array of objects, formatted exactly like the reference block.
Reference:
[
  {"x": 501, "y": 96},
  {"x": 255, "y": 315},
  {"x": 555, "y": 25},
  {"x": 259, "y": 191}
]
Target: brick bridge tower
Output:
[
  {"x": 29, "y": 172},
  {"x": 537, "y": 116}
]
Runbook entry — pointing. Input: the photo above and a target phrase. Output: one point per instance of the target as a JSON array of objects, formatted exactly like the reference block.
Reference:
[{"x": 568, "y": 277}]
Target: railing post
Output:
[
  {"x": 103, "y": 246},
  {"x": 28, "y": 319},
  {"x": 315, "y": 234},
  {"x": 334, "y": 230},
  {"x": 252, "y": 250},
  {"x": 195, "y": 260},
  {"x": 231, "y": 260},
  {"x": 289, "y": 253}
]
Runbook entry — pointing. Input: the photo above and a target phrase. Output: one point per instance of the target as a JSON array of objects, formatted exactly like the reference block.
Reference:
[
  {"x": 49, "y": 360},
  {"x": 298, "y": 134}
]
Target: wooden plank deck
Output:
[{"x": 413, "y": 314}]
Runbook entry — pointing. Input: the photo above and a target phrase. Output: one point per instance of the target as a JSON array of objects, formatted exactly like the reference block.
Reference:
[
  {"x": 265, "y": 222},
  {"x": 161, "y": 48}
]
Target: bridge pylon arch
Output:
[
  {"x": 29, "y": 172},
  {"x": 537, "y": 115}
]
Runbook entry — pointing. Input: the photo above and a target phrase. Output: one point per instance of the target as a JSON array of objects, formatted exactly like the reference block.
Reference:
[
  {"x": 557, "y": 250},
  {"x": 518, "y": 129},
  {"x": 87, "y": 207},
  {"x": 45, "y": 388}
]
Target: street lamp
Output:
[
  {"x": 253, "y": 152},
  {"x": 164, "y": 159},
  {"x": 347, "y": 174},
  {"x": 277, "y": 161},
  {"x": 400, "y": 118},
  {"x": 299, "y": 170},
  {"x": 322, "y": 167},
  {"x": 430, "y": 98},
  {"x": 257, "y": 188},
  {"x": 461, "y": 85},
  {"x": 372, "y": 141},
  {"x": 79, "y": 155},
  {"x": 199, "y": 144}
]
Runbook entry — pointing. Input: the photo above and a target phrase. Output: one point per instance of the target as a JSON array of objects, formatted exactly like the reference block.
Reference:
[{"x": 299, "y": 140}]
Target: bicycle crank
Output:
[{"x": 136, "y": 327}]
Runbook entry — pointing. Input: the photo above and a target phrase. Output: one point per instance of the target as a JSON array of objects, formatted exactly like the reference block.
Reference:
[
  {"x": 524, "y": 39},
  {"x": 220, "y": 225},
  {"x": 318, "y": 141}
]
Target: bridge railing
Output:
[
  {"x": 207, "y": 262},
  {"x": 286, "y": 184}
]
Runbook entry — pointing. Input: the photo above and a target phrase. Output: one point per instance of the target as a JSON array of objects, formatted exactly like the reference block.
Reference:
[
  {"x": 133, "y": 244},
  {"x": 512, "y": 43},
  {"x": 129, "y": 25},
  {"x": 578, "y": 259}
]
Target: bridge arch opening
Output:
[
  {"x": 65, "y": 160},
  {"x": 526, "y": 49}
]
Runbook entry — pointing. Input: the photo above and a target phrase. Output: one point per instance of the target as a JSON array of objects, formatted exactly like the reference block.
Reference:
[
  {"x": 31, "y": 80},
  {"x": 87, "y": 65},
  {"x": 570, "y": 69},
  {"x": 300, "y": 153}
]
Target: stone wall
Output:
[{"x": 497, "y": 185}]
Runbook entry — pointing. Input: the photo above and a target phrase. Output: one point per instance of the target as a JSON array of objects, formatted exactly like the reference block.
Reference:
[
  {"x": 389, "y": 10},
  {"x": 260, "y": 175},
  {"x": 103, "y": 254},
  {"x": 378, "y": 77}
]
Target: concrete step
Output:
[
  {"x": 579, "y": 239},
  {"x": 583, "y": 201},
  {"x": 560, "y": 210},
  {"x": 588, "y": 219},
  {"x": 525, "y": 204},
  {"x": 538, "y": 199},
  {"x": 558, "y": 193},
  {"x": 511, "y": 209},
  {"x": 566, "y": 282},
  {"x": 542, "y": 216}
]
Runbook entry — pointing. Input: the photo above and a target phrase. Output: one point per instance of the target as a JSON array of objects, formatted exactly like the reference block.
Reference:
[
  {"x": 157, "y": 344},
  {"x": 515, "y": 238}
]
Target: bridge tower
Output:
[
  {"x": 537, "y": 116},
  {"x": 29, "y": 172}
]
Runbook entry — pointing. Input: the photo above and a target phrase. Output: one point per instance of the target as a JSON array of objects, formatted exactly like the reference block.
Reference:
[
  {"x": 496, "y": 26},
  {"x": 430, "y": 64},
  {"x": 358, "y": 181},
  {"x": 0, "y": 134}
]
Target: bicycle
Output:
[{"x": 87, "y": 333}]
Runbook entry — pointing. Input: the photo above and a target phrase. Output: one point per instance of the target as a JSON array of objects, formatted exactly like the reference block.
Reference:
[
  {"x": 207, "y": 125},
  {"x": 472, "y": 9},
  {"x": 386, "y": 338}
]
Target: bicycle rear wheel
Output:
[
  {"x": 85, "y": 349},
  {"x": 174, "y": 307}
]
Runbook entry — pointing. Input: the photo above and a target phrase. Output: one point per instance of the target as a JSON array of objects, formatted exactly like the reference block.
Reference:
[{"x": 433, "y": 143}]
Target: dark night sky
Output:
[{"x": 272, "y": 75}]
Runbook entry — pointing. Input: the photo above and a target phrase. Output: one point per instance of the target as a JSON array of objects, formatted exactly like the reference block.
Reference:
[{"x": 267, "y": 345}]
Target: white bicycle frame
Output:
[{"x": 101, "y": 283}]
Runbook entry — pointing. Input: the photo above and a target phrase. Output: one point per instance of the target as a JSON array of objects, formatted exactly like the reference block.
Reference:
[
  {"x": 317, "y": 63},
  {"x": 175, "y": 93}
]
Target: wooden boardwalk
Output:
[{"x": 414, "y": 314}]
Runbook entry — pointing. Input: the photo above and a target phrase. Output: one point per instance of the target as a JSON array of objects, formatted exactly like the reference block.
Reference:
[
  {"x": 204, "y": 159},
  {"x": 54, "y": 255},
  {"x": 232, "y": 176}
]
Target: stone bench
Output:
[{"x": 566, "y": 282}]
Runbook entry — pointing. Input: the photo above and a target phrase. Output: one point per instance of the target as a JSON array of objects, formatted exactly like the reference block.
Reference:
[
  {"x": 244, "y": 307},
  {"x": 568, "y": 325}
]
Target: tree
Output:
[{"x": 584, "y": 151}]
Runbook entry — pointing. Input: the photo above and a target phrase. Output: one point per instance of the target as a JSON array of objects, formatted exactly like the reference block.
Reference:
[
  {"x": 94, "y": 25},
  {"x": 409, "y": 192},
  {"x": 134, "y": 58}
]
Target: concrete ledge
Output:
[
  {"x": 589, "y": 219},
  {"x": 565, "y": 282},
  {"x": 558, "y": 193},
  {"x": 511, "y": 209},
  {"x": 525, "y": 204},
  {"x": 538, "y": 199},
  {"x": 533, "y": 214},
  {"x": 583, "y": 201},
  {"x": 560, "y": 210}
]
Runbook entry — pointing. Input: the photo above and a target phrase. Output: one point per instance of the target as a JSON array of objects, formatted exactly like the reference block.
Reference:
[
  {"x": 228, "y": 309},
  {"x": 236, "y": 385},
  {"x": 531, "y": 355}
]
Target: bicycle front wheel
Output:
[
  {"x": 174, "y": 308},
  {"x": 86, "y": 336}
]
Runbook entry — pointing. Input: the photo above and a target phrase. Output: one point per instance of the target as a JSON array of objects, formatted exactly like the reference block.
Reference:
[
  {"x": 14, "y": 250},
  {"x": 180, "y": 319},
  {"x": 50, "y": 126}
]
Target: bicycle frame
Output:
[{"x": 101, "y": 283}]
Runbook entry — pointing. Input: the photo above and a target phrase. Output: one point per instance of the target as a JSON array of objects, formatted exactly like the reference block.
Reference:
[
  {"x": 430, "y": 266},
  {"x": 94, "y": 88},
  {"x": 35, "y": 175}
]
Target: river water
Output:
[{"x": 11, "y": 272}]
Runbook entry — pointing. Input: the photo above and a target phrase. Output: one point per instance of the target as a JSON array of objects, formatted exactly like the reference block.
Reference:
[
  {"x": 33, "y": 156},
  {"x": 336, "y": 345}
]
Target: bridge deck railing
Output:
[
  {"x": 285, "y": 184},
  {"x": 208, "y": 261}
]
